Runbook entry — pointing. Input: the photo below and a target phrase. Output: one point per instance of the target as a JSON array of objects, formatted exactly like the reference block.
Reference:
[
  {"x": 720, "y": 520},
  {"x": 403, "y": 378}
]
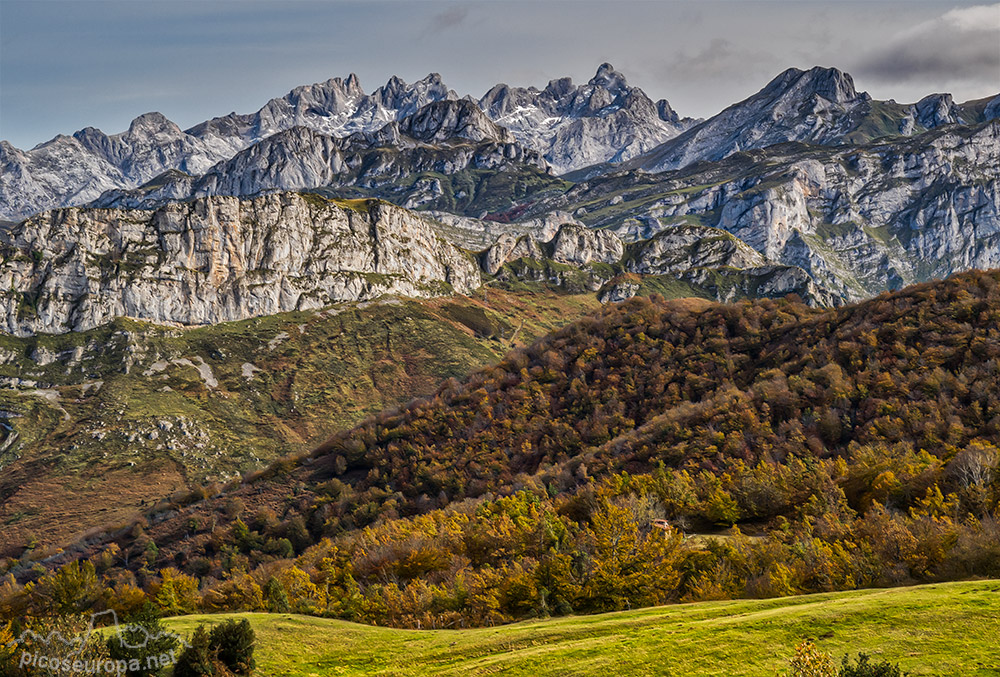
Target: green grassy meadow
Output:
[{"x": 939, "y": 629}]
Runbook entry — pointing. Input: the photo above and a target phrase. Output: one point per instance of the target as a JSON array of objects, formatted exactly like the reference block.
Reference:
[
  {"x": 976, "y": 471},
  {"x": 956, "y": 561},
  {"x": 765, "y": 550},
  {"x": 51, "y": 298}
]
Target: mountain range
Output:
[
  {"x": 570, "y": 128},
  {"x": 839, "y": 196}
]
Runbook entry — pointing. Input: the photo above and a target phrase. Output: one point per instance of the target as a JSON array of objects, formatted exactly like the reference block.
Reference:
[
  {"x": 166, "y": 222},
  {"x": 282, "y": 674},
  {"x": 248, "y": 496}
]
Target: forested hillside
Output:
[{"x": 654, "y": 451}]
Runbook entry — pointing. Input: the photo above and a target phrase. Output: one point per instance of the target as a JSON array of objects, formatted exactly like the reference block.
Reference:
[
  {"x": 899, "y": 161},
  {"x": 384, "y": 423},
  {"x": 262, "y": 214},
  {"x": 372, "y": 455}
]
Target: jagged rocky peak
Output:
[
  {"x": 503, "y": 99},
  {"x": 404, "y": 98},
  {"x": 666, "y": 112},
  {"x": 577, "y": 126},
  {"x": 608, "y": 89},
  {"x": 992, "y": 110},
  {"x": 559, "y": 87},
  {"x": 352, "y": 85},
  {"x": 7, "y": 150},
  {"x": 93, "y": 139},
  {"x": 330, "y": 97},
  {"x": 608, "y": 78},
  {"x": 819, "y": 105},
  {"x": 935, "y": 110},
  {"x": 445, "y": 120},
  {"x": 832, "y": 84},
  {"x": 151, "y": 122}
]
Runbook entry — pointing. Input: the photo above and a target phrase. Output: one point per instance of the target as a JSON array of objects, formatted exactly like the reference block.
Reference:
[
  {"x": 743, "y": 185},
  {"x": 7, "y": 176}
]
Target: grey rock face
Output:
[
  {"x": 684, "y": 247},
  {"x": 510, "y": 247},
  {"x": 712, "y": 262},
  {"x": 217, "y": 259},
  {"x": 820, "y": 105},
  {"x": 859, "y": 220},
  {"x": 334, "y": 108},
  {"x": 78, "y": 169},
  {"x": 605, "y": 120},
  {"x": 450, "y": 137},
  {"x": 992, "y": 110},
  {"x": 446, "y": 121},
  {"x": 578, "y": 245},
  {"x": 935, "y": 110},
  {"x": 477, "y": 234},
  {"x": 769, "y": 281}
]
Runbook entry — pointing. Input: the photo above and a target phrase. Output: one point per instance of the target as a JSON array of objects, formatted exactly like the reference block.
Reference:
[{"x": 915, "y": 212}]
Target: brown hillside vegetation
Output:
[
  {"x": 152, "y": 410},
  {"x": 856, "y": 444}
]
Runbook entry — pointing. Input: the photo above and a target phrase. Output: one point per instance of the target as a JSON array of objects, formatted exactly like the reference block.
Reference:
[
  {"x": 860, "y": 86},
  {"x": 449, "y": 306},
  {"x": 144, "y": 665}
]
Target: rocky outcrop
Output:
[
  {"x": 992, "y": 110},
  {"x": 508, "y": 248},
  {"x": 725, "y": 284},
  {"x": 477, "y": 234},
  {"x": 218, "y": 259},
  {"x": 859, "y": 220},
  {"x": 604, "y": 120},
  {"x": 935, "y": 110},
  {"x": 706, "y": 261},
  {"x": 684, "y": 247},
  {"x": 820, "y": 105},
  {"x": 769, "y": 281},
  {"x": 577, "y": 245},
  {"x": 450, "y": 137}
]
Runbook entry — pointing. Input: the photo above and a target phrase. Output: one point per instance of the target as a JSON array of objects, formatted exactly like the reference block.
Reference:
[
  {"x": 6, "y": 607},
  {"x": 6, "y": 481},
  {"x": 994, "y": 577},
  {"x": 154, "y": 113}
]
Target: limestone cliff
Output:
[{"x": 218, "y": 259}]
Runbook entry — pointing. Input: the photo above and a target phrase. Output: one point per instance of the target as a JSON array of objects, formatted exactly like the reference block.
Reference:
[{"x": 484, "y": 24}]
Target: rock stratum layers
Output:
[{"x": 218, "y": 259}]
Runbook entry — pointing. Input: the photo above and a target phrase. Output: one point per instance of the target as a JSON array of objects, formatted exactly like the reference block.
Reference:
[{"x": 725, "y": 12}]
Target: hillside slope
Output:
[
  {"x": 139, "y": 411},
  {"x": 944, "y": 629},
  {"x": 850, "y": 447}
]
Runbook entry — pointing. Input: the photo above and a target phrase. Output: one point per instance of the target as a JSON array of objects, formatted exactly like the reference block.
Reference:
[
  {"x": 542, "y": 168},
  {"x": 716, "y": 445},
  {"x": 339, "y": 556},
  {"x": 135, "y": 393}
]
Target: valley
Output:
[{"x": 141, "y": 411}]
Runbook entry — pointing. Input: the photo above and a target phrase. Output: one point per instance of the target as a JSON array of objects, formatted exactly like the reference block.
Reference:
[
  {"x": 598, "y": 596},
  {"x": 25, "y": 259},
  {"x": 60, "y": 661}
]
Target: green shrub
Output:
[
  {"x": 196, "y": 660},
  {"x": 865, "y": 668},
  {"x": 234, "y": 643},
  {"x": 140, "y": 639},
  {"x": 226, "y": 650}
]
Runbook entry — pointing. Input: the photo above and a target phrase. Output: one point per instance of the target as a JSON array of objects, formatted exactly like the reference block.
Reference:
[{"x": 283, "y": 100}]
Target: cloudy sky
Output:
[{"x": 66, "y": 65}]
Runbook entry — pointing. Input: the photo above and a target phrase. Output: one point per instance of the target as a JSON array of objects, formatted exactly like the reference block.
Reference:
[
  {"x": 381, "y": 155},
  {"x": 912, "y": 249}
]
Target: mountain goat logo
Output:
[{"x": 62, "y": 654}]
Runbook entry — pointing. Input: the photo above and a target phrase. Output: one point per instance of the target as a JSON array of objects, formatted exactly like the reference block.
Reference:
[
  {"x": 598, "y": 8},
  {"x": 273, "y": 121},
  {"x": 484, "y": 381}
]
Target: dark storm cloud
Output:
[
  {"x": 962, "y": 44},
  {"x": 449, "y": 18},
  {"x": 719, "y": 59}
]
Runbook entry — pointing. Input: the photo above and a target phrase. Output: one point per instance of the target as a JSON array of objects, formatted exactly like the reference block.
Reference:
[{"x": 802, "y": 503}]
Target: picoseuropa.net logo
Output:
[{"x": 55, "y": 652}]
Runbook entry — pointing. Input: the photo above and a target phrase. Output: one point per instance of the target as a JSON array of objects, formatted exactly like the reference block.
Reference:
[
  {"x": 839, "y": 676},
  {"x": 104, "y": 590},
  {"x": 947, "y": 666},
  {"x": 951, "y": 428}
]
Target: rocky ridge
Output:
[
  {"x": 709, "y": 263},
  {"x": 444, "y": 138},
  {"x": 218, "y": 259},
  {"x": 859, "y": 219},
  {"x": 818, "y": 106},
  {"x": 604, "y": 120}
]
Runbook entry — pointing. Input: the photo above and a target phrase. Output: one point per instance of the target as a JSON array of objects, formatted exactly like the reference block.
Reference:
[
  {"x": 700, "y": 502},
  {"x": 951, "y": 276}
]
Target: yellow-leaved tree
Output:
[{"x": 632, "y": 562}]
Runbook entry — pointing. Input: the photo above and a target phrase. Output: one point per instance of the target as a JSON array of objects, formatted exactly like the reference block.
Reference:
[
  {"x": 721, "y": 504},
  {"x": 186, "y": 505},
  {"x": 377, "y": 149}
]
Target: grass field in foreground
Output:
[{"x": 941, "y": 629}]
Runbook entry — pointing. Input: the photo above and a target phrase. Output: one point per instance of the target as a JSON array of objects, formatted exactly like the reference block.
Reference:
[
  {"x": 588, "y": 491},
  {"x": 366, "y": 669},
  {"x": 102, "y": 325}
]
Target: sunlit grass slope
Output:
[{"x": 942, "y": 629}]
